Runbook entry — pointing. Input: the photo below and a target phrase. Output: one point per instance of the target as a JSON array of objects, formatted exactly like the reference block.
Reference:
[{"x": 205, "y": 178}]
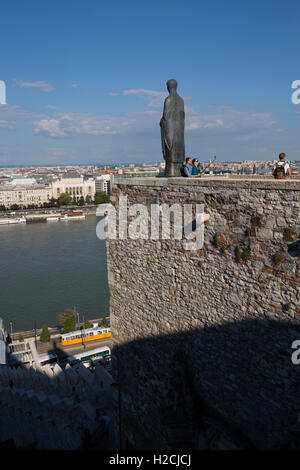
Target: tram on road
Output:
[{"x": 85, "y": 335}]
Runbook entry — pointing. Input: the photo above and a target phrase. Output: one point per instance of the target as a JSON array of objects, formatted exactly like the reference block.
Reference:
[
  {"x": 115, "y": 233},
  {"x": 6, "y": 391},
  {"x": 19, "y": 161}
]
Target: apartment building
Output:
[{"x": 103, "y": 183}]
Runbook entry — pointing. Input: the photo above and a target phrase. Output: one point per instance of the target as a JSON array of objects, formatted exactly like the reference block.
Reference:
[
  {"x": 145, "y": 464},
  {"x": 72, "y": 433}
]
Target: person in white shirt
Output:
[{"x": 281, "y": 169}]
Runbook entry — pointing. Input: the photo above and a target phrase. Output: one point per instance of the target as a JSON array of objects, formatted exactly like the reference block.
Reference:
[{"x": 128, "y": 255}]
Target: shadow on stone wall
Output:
[
  {"x": 232, "y": 386},
  {"x": 228, "y": 386}
]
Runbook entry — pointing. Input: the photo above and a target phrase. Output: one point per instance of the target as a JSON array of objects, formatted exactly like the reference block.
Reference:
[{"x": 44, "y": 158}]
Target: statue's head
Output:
[{"x": 171, "y": 84}]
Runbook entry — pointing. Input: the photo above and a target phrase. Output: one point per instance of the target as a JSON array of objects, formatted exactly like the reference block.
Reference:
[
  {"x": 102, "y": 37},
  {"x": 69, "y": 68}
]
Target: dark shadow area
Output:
[
  {"x": 232, "y": 385},
  {"x": 55, "y": 389},
  {"x": 294, "y": 249},
  {"x": 60, "y": 353}
]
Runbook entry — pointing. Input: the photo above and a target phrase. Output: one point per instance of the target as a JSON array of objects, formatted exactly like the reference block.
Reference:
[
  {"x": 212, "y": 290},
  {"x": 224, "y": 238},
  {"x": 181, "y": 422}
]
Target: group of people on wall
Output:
[
  {"x": 191, "y": 168},
  {"x": 280, "y": 171}
]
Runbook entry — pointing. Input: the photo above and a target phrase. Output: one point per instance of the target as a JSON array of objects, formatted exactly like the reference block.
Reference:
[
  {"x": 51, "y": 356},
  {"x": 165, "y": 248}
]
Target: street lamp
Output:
[
  {"x": 35, "y": 340},
  {"x": 83, "y": 331}
]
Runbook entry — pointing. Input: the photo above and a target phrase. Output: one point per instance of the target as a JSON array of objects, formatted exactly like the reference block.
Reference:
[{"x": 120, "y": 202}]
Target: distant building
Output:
[
  {"x": 24, "y": 195},
  {"x": 74, "y": 185},
  {"x": 22, "y": 181},
  {"x": 103, "y": 183}
]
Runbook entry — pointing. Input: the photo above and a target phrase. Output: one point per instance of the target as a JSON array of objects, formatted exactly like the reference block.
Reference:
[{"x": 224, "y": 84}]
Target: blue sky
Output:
[{"x": 85, "y": 81}]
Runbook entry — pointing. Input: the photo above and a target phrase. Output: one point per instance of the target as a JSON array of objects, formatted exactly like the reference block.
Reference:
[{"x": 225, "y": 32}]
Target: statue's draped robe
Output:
[{"x": 172, "y": 134}]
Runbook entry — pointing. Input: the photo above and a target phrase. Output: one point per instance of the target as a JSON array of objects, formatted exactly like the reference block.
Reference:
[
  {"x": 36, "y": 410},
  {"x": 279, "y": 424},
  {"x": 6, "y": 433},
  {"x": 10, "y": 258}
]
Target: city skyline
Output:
[{"x": 87, "y": 85}]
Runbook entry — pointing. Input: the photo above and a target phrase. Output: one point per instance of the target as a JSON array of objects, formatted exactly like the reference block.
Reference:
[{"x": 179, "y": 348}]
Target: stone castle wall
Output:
[{"x": 213, "y": 326}]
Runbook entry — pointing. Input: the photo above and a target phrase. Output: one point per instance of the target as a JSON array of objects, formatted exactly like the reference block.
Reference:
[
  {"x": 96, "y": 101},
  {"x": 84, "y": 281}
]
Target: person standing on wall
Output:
[{"x": 281, "y": 169}]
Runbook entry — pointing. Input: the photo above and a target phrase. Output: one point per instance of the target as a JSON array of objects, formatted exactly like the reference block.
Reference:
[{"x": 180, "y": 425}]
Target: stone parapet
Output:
[{"x": 214, "y": 325}]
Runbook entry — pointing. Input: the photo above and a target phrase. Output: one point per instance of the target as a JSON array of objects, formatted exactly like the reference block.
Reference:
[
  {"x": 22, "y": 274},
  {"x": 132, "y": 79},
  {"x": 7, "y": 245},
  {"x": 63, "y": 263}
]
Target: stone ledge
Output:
[{"x": 213, "y": 181}]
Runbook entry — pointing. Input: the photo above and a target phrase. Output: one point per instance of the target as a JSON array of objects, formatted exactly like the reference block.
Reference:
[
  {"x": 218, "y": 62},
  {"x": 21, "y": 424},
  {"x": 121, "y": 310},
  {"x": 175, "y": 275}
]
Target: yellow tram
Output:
[{"x": 89, "y": 334}]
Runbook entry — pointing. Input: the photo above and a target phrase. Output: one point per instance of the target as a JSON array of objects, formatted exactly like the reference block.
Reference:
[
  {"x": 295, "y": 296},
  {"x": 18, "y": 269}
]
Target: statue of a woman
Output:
[{"x": 172, "y": 131}]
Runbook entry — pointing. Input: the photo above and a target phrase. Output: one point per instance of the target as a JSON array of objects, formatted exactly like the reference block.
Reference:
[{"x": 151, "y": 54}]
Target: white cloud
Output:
[
  {"x": 66, "y": 124},
  {"x": 7, "y": 124},
  {"x": 50, "y": 127},
  {"x": 229, "y": 121},
  {"x": 156, "y": 98},
  {"x": 12, "y": 116},
  {"x": 43, "y": 86},
  {"x": 75, "y": 85}
]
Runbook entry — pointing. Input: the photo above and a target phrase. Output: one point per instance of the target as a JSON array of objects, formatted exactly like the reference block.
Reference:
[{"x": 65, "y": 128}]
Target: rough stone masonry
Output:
[{"x": 209, "y": 331}]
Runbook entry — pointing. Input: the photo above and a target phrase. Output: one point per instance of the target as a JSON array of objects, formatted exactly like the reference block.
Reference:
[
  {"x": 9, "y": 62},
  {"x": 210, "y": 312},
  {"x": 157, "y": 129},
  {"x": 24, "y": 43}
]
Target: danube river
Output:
[{"x": 48, "y": 267}]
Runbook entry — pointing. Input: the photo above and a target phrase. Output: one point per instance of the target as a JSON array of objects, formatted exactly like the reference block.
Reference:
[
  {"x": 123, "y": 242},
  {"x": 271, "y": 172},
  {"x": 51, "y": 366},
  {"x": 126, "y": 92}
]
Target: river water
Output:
[{"x": 48, "y": 267}]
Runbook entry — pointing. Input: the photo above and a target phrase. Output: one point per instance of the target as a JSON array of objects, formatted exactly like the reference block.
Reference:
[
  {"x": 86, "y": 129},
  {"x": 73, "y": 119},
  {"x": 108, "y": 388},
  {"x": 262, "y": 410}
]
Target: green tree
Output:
[
  {"x": 101, "y": 197},
  {"x": 87, "y": 324},
  {"x": 81, "y": 201},
  {"x": 67, "y": 320},
  {"x": 53, "y": 202},
  {"x": 45, "y": 334},
  {"x": 104, "y": 321},
  {"x": 15, "y": 207},
  {"x": 2, "y": 207},
  {"x": 64, "y": 199},
  {"x": 20, "y": 338}
]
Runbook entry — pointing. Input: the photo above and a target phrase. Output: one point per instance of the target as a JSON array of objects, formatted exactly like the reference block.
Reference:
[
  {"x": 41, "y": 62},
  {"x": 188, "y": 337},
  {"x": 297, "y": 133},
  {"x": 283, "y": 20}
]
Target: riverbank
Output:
[
  {"x": 44, "y": 215},
  {"x": 54, "y": 331},
  {"x": 87, "y": 209}
]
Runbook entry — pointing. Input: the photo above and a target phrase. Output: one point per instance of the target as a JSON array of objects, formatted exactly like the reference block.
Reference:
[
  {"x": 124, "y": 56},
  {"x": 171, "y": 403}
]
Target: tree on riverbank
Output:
[
  {"x": 101, "y": 197},
  {"x": 67, "y": 320},
  {"x": 64, "y": 199},
  {"x": 45, "y": 334},
  {"x": 104, "y": 321}
]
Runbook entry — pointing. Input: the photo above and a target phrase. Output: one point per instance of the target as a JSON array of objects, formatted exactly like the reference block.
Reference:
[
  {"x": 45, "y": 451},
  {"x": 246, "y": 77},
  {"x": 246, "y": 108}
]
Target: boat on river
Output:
[
  {"x": 18, "y": 220},
  {"x": 75, "y": 215}
]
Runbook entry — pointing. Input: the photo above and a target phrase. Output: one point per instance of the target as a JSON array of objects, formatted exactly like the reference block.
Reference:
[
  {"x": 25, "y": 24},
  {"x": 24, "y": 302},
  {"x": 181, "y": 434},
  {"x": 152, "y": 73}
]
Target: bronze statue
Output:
[{"x": 172, "y": 131}]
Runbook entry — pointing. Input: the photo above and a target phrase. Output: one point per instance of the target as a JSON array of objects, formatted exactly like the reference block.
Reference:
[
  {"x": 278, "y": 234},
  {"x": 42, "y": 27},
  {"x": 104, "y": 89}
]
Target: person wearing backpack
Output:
[{"x": 281, "y": 169}]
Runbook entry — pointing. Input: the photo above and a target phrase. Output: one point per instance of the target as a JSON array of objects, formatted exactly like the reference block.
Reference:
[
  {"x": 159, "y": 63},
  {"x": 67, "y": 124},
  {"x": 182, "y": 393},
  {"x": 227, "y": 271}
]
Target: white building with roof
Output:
[
  {"x": 74, "y": 185},
  {"x": 24, "y": 194}
]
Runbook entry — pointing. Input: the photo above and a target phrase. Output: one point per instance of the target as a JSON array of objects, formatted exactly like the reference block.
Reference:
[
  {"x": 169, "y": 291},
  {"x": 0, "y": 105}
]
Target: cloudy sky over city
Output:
[{"x": 86, "y": 81}]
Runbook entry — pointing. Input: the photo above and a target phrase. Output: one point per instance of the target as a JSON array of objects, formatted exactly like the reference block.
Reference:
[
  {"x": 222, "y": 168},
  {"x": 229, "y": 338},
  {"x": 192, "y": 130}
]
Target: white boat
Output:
[
  {"x": 20, "y": 220},
  {"x": 50, "y": 219},
  {"x": 73, "y": 216}
]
